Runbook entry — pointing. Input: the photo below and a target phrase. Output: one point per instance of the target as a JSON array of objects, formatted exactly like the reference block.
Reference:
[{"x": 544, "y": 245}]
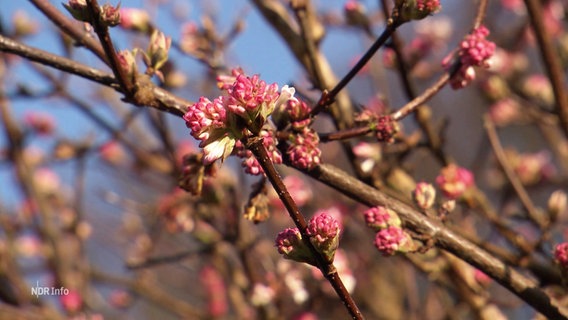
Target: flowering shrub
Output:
[{"x": 296, "y": 190}]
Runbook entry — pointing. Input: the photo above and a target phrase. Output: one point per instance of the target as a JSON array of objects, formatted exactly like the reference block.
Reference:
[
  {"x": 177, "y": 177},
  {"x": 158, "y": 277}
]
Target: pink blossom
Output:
[
  {"x": 381, "y": 217},
  {"x": 204, "y": 116},
  {"x": 303, "y": 151},
  {"x": 454, "y": 181},
  {"x": 428, "y": 5},
  {"x": 251, "y": 165},
  {"x": 216, "y": 290},
  {"x": 324, "y": 231},
  {"x": 41, "y": 123},
  {"x": 300, "y": 191},
  {"x": 475, "y": 50},
  {"x": 134, "y": 19},
  {"x": 385, "y": 129},
  {"x": 531, "y": 168},
  {"x": 248, "y": 93},
  {"x": 391, "y": 240},
  {"x": 71, "y": 302},
  {"x": 561, "y": 255},
  {"x": 112, "y": 152},
  {"x": 287, "y": 239},
  {"x": 504, "y": 111}
]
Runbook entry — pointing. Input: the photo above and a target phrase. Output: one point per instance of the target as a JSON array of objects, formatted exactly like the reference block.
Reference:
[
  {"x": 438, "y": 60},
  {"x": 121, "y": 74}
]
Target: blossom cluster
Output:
[
  {"x": 390, "y": 237},
  {"x": 474, "y": 51},
  {"x": 323, "y": 231},
  {"x": 241, "y": 111}
]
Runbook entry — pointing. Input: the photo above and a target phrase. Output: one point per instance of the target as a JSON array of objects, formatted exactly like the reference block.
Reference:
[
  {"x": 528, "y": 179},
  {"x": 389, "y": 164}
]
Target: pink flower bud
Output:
[
  {"x": 40, "y": 123},
  {"x": 380, "y": 217},
  {"x": 112, "y": 152},
  {"x": 127, "y": 62},
  {"x": 158, "y": 49},
  {"x": 110, "y": 16},
  {"x": 303, "y": 151},
  {"x": 289, "y": 243},
  {"x": 71, "y": 302},
  {"x": 216, "y": 291},
  {"x": 134, "y": 19},
  {"x": 392, "y": 240},
  {"x": 424, "y": 195},
  {"x": 386, "y": 129},
  {"x": 416, "y": 9},
  {"x": 324, "y": 234},
  {"x": 454, "y": 181},
  {"x": 561, "y": 255}
]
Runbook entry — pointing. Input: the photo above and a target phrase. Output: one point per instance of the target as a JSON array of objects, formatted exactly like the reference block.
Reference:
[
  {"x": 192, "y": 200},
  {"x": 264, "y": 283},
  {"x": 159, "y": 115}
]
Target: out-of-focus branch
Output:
[
  {"x": 70, "y": 27},
  {"x": 55, "y": 61},
  {"x": 533, "y": 213},
  {"x": 151, "y": 291},
  {"x": 551, "y": 61},
  {"x": 157, "y": 98},
  {"x": 276, "y": 14},
  {"x": 446, "y": 239},
  {"x": 423, "y": 114}
]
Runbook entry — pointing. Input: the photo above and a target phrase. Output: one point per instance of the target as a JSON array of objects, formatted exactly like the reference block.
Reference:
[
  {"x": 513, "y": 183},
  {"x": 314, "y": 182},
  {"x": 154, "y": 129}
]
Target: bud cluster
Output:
[{"x": 242, "y": 111}]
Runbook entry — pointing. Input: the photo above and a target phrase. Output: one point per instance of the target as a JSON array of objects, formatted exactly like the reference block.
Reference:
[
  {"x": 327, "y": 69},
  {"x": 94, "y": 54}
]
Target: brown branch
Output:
[
  {"x": 446, "y": 239},
  {"x": 329, "y": 97},
  {"x": 37, "y": 55},
  {"x": 158, "y": 98},
  {"x": 108, "y": 47},
  {"x": 70, "y": 27},
  {"x": 327, "y": 269},
  {"x": 533, "y": 213},
  {"x": 551, "y": 62}
]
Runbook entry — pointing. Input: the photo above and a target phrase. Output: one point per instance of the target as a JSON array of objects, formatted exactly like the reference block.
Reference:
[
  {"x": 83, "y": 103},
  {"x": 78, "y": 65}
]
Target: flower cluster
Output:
[
  {"x": 221, "y": 123},
  {"x": 390, "y": 237},
  {"x": 392, "y": 240},
  {"x": 454, "y": 181},
  {"x": 324, "y": 232},
  {"x": 303, "y": 151},
  {"x": 416, "y": 9},
  {"x": 380, "y": 217},
  {"x": 475, "y": 51},
  {"x": 561, "y": 255},
  {"x": 250, "y": 163}
]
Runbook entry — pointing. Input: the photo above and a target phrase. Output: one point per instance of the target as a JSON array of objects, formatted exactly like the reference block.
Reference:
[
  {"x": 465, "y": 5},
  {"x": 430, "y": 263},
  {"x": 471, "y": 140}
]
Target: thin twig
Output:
[
  {"x": 70, "y": 28},
  {"x": 533, "y": 213},
  {"x": 551, "y": 62},
  {"x": 328, "y": 269},
  {"x": 108, "y": 47}
]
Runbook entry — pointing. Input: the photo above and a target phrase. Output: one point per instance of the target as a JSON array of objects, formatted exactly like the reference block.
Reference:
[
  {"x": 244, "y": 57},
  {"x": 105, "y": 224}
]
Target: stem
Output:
[
  {"x": 328, "y": 269},
  {"x": 104, "y": 38},
  {"x": 328, "y": 97}
]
